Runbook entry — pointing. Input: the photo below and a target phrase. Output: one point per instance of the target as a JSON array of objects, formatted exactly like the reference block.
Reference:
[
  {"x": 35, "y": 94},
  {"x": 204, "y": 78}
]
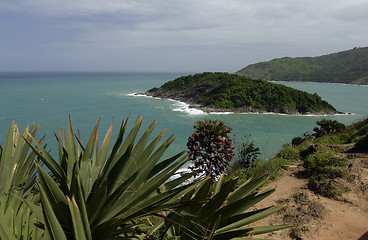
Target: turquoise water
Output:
[{"x": 47, "y": 99}]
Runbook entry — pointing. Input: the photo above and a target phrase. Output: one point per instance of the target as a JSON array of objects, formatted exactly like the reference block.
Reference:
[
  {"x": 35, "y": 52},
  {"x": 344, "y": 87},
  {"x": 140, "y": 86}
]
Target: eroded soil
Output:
[{"x": 312, "y": 216}]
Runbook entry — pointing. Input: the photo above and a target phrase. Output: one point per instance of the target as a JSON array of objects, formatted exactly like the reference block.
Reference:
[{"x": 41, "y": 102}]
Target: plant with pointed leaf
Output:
[
  {"x": 17, "y": 180},
  {"x": 93, "y": 194},
  {"x": 224, "y": 215},
  {"x": 210, "y": 148}
]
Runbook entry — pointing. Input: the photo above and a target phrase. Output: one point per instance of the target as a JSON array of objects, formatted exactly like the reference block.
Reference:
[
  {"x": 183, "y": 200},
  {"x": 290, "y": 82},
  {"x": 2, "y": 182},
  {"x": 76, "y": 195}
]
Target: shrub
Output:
[
  {"x": 247, "y": 153},
  {"x": 328, "y": 127},
  {"x": 323, "y": 170},
  {"x": 329, "y": 139},
  {"x": 324, "y": 163},
  {"x": 362, "y": 143},
  {"x": 297, "y": 141},
  {"x": 288, "y": 153}
]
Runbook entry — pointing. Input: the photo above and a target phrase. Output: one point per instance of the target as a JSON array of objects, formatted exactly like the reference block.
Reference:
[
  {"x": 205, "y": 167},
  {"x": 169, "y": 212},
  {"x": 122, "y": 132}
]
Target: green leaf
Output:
[
  {"x": 250, "y": 219},
  {"x": 5, "y": 231},
  {"x": 247, "y": 188},
  {"x": 80, "y": 230},
  {"x": 217, "y": 201},
  {"x": 87, "y": 154},
  {"x": 79, "y": 199},
  {"x": 102, "y": 156},
  {"x": 72, "y": 155},
  {"x": 54, "y": 196},
  {"x": 54, "y": 228},
  {"x": 46, "y": 158}
]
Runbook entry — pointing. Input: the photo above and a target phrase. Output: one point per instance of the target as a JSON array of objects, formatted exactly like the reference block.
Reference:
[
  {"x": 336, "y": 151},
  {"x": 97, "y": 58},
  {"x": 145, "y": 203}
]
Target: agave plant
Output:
[
  {"x": 17, "y": 181},
  {"x": 224, "y": 215},
  {"x": 94, "y": 194}
]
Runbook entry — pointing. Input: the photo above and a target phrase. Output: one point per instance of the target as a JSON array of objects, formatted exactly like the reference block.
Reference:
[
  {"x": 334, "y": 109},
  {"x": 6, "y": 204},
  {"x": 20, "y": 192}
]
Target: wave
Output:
[
  {"x": 177, "y": 105},
  {"x": 184, "y": 107},
  {"x": 141, "y": 95}
]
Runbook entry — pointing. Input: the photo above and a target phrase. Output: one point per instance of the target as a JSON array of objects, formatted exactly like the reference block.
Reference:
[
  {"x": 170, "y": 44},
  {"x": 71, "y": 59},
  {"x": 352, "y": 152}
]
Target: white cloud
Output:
[{"x": 256, "y": 29}]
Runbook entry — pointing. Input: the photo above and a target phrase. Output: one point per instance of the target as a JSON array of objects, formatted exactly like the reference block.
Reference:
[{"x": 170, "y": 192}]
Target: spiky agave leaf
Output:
[
  {"x": 225, "y": 214},
  {"x": 17, "y": 181},
  {"x": 104, "y": 193}
]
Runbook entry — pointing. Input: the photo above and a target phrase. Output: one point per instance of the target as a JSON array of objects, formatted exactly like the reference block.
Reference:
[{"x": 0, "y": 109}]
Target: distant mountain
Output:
[
  {"x": 343, "y": 67},
  {"x": 218, "y": 92}
]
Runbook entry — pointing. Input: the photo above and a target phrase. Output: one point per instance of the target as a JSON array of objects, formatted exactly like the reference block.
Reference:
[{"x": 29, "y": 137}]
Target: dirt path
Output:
[{"x": 314, "y": 216}]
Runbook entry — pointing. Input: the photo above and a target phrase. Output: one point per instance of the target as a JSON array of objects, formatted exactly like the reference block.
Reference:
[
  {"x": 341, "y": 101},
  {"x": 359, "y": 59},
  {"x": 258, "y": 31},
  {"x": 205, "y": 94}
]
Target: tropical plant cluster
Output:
[
  {"x": 239, "y": 93},
  {"x": 117, "y": 190},
  {"x": 210, "y": 148},
  {"x": 343, "y": 67}
]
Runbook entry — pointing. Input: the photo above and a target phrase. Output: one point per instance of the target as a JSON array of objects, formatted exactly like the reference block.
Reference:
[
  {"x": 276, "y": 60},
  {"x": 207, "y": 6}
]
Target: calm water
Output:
[{"x": 47, "y": 99}]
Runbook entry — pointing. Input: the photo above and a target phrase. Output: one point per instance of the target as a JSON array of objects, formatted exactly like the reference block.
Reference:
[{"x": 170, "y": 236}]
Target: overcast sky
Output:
[{"x": 171, "y": 35}]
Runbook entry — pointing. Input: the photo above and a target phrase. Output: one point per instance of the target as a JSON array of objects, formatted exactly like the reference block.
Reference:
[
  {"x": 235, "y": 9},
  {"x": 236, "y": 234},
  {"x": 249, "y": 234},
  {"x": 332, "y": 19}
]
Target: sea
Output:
[{"x": 49, "y": 98}]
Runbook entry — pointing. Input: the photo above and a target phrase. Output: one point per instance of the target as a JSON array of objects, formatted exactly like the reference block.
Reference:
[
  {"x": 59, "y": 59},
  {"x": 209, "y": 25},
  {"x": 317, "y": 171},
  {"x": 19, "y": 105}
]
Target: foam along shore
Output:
[{"x": 196, "y": 109}]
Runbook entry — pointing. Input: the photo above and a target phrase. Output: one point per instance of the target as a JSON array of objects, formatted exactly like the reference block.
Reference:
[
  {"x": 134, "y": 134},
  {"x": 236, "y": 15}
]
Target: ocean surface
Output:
[{"x": 49, "y": 98}]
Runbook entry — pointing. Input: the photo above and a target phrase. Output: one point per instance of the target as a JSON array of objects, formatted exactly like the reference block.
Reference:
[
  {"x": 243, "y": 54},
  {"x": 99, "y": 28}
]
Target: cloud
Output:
[{"x": 235, "y": 30}]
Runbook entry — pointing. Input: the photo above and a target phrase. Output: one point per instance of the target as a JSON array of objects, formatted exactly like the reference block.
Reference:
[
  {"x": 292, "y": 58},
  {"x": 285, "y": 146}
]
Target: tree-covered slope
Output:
[
  {"x": 224, "y": 92},
  {"x": 343, "y": 67}
]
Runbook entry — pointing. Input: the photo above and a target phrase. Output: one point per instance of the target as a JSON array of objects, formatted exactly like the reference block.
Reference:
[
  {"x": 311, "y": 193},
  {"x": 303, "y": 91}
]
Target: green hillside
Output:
[
  {"x": 343, "y": 67},
  {"x": 231, "y": 92}
]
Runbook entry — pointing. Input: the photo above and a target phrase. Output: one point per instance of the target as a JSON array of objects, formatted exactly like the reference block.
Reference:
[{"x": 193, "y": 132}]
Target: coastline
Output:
[{"x": 197, "y": 109}]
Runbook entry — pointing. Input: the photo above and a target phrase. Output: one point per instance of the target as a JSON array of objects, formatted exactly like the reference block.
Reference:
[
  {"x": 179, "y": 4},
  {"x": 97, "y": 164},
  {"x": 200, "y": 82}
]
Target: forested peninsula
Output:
[
  {"x": 350, "y": 67},
  {"x": 223, "y": 92}
]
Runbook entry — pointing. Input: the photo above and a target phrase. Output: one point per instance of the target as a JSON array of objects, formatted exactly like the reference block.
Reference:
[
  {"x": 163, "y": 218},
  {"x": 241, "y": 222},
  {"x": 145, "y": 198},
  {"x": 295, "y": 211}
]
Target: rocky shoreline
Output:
[{"x": 249, "y": 109}]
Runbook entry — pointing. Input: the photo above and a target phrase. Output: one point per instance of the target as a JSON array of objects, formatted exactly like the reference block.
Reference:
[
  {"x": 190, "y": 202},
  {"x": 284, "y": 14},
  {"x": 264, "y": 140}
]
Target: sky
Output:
[{"x": 171, "y": 35}]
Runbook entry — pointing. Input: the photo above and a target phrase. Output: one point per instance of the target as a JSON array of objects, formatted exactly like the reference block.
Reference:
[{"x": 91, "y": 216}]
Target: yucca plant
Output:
[
  {"x": 94, "y": 194},
  {"x": 225, "y": 214},
  {"x": 17, "y": 182}
]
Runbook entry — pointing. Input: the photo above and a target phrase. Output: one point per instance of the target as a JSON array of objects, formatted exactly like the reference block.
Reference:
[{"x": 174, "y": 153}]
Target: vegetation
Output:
[
  {"x": 247, "y": 153},
  {"x": 343, "y": 67},
  {"x": 271, "y": 167},
  {"x": 17, "y": 181},
  {"x": 362, "y": 143},
  {"x": 91, "y": 193},
  {"x": 332, "y": 164},
  {"x": 224, "y": 91},
  {"x": 224, "y": 214},
  {"x": 210, "y": 148},
  {"x": 325, "y": 169},
  {"x": 328, "y": 127}
]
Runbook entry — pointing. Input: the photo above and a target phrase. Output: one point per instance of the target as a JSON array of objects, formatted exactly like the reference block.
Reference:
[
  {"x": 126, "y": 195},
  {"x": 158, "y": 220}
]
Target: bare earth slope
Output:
[{"x": 315, "y": 217}]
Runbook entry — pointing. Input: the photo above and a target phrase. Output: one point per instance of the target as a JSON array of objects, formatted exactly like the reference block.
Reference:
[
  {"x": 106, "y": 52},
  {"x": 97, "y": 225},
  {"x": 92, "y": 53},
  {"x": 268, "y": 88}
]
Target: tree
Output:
[
  {"x": 210, "y": 148},
  {"x": 247, "y": 153},
  {"x": 328, "y": 127}
]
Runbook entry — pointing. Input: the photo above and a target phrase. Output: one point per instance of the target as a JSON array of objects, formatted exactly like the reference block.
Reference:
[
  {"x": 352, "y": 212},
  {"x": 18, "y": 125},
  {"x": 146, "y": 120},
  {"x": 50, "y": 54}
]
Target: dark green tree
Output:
[
  {"x": 328, "y": 127},
  {"x": 210, "y": 148},
  {"x": 247, "y": 153}
]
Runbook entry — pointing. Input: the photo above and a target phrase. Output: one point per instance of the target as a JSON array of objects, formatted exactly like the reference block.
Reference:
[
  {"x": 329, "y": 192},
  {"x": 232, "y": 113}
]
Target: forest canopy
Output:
[{"x": 224, "y": 91}]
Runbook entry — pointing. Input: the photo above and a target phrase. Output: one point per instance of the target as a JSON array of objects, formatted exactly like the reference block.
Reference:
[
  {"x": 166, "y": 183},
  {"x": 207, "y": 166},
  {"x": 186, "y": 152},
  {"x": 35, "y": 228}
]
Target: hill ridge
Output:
[{"x": 350, "y": 66}]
